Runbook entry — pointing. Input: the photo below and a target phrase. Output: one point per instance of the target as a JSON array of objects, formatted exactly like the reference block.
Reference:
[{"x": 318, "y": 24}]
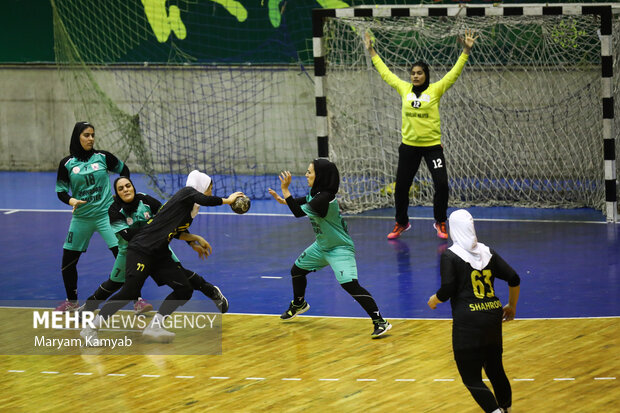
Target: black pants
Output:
[
  {"x": 409, "y": 158},
  {"x": 164, "y": 271},
  {"x": 470, "y": 365}
]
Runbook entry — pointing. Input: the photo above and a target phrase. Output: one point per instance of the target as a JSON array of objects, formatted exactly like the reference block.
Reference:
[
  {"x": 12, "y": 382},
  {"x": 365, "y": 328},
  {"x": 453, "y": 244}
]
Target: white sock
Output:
[
  {"x": 97, "y": 321},
  {"x": 498, "y": 410}
]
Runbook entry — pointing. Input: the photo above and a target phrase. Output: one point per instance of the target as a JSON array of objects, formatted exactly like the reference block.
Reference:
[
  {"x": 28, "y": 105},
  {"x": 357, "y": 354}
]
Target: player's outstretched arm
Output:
[
  {"x": 467, "y": 40},
  {"x": 285, "y": 182},
  {"x": 231, "y": 198},
  {"x": 276, "y": 196},
  {"x": 368, "y": 44}
]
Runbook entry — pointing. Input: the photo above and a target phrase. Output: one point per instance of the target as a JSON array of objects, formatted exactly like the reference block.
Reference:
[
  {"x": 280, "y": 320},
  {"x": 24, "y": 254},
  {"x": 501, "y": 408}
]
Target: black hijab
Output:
[
  {"x": 419, "y": 89},
  {"x": 327, "y": 177},
  {"x": 75, "y": 147},
  {"x": 128, "y": 207}
]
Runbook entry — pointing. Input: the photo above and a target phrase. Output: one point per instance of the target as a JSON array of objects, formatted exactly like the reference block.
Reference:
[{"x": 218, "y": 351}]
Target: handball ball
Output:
[{"x": 241, "y": 205}]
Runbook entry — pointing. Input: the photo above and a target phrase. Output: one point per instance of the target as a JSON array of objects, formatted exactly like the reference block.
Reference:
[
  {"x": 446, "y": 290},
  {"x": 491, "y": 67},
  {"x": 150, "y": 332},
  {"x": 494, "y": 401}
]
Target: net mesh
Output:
[
  {"x": 209, "y": 98},
  {"x": 522, "y": 126}
]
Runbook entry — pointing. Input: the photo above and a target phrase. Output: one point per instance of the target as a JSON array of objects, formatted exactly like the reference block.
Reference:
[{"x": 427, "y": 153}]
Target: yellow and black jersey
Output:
[
  {"x": 173, "y": 218},
  {"x": 476, "y": 311},
  {"x": 420, "y": 114}
]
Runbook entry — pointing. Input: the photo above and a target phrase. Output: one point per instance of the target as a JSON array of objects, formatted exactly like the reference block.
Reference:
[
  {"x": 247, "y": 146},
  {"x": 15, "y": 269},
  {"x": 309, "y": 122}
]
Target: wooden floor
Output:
[{"x": 328, "y": 364}]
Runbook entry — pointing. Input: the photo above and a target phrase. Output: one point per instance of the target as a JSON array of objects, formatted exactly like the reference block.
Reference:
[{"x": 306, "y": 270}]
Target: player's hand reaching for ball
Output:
[
  {"x": 285, "y": 181},
  {"x": 231, "y": 198},
  {"x": 277, "y": 196}
]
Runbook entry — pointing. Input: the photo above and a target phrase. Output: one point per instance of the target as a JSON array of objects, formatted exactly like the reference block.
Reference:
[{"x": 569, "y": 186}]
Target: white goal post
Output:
[{"x": 530, "y": 121}]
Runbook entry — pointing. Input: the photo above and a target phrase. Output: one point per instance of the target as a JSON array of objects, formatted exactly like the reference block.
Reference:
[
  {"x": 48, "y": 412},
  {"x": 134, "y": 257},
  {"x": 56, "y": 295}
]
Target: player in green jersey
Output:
[
  {"x": 421, "y": 133},
  {"x": 333, "y": 245},
  {"x": 83, "y": 183}
]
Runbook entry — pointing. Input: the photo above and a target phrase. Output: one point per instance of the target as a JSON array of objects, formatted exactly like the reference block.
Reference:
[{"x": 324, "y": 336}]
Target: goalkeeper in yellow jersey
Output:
[{"x": 421, "y": 133}]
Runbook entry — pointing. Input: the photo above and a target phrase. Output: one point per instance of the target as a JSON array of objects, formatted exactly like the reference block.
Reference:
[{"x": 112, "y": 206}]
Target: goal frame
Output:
[{"x": 604, "y": 11}]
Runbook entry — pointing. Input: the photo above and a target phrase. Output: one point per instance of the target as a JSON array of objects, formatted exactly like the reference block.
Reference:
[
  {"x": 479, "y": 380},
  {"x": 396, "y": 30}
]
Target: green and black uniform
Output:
[
  {"x": 333, "y": 245},
  {"x": 88, "y": 180},
  {"x": 84, "y": 175}
]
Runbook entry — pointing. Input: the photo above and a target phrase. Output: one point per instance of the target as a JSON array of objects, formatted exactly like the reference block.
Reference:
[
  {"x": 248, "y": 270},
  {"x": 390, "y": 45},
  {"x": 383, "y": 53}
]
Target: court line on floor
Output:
[
  {"x": 288, "y": 215},
  {"x": 423, "y": 319},
  {"x": 330, "y": 316},
  {"x": 333, "y": 379}
]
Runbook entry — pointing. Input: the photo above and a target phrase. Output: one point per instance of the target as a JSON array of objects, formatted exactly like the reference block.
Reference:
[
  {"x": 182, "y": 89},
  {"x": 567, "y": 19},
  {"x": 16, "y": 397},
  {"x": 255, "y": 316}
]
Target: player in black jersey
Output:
[
  {"x": 130, "y": 212},
  {"x": 468, "y": 269},
  {"x": 148, "y": 254}
]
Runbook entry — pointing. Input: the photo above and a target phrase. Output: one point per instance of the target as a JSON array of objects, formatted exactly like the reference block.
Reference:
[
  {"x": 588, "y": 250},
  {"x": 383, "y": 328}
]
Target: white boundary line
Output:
[
  {"x": 329, "y": 316},
  {"x": 437, "y": 380},
  {"x": 265, "y": 214}
]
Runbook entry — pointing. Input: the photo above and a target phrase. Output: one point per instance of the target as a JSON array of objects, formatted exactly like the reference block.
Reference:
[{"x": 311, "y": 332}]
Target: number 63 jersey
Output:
[{"x": 476, "y": 311}]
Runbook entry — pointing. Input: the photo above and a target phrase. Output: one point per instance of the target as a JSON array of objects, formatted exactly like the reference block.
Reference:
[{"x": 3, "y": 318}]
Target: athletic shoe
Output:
[
  {"x": 381, "y": 327},
  {"x": 141, "y": 306},
  {"x": 158, "y": 334},
  {"x": 90, "y": 337},
  {"x": 220, "y": 301},
  {"x": 295, "y": 310},
  {"x": 67, "y": 306},
  {"x": 441, "y": 229},
  {"x": 398, "y": 229}
]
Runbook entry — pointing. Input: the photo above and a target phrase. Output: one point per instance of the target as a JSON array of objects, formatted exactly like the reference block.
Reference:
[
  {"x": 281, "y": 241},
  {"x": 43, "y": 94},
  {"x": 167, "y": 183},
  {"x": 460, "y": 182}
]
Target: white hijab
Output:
[
  {"x": 200, "y": 182},
  {"x": 466, "y": 245}
]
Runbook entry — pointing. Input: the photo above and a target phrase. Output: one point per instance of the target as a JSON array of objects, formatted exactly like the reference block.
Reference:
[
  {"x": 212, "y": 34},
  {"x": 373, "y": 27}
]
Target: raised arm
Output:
[
  {"x": 388, "y": 77},
  {"x": 446, "y": 82},
  {"x": 368, "y": 44},
  {"x": 467, "y": 40},
  {"x": 286, "y": 198}
]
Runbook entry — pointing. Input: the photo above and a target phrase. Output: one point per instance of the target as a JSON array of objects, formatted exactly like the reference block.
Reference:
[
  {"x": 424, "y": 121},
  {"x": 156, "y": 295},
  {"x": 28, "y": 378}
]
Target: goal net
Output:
[
  {"x": 176, "y": 86},
  {"x": 522, "y": 126}
]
